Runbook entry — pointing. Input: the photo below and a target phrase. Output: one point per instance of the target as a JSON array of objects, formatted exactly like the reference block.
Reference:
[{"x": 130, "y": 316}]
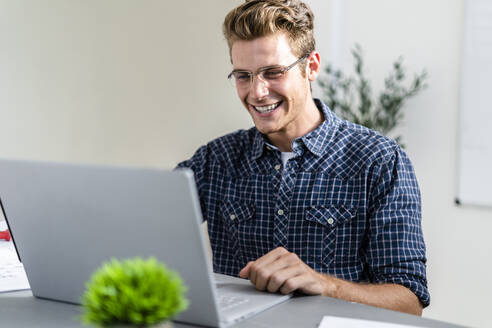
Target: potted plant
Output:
[
  {"x": 133, "y": 292},
  {"x": 351, "y": 97}
]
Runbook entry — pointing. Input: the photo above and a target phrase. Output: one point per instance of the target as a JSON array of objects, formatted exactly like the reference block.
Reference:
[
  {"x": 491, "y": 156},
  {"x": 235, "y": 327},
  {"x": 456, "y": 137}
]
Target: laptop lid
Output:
[{"x": 67, "y": 219}]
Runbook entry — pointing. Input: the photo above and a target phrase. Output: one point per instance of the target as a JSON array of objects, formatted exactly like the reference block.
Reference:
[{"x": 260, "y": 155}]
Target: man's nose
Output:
[{"x": 259, "y": 87}]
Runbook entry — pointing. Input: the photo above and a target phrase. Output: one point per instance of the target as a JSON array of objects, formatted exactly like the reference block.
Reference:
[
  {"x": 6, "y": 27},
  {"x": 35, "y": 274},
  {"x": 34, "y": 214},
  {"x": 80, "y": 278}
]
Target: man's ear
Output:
[{"x": 313, "y": 66}]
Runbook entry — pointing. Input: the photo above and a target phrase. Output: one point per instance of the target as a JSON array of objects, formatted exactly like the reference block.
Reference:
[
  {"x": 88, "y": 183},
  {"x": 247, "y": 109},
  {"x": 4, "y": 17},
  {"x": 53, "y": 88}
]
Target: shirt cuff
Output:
[{"x": 417, "y": 285}]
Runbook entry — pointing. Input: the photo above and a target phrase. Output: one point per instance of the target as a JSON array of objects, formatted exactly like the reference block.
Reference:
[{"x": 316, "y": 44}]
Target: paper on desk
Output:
[
  {"x": 339, "y": 322},
  {"x": 12, "y": 274}
]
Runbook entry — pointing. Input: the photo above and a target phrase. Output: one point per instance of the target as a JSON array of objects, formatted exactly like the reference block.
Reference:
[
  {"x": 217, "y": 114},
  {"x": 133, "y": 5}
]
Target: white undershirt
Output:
[{"x": 286, "y": 156}]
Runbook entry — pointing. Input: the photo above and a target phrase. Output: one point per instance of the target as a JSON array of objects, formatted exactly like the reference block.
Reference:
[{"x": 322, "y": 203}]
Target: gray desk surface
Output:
[{"x": 21, "y": 309}]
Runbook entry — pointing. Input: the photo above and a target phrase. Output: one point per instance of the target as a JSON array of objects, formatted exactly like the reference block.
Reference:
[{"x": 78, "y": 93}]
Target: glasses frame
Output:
[{"x": 284, "y": 69}]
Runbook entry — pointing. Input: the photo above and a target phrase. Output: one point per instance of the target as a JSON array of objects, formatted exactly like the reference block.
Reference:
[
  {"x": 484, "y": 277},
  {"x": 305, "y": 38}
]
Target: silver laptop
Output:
[{"x": 67, "y": 219}]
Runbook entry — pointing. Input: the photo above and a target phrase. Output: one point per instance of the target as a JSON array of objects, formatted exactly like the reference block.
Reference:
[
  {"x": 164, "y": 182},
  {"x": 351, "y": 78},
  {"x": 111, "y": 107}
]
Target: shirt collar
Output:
[
  {"x": 258, "y": 144},
  {"x": 316, "y": 141}
]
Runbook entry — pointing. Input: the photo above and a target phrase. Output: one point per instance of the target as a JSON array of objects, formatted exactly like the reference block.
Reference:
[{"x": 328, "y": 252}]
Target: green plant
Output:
[
  {"x": 133, "y": 292},
  {"x": 351, "y": 97}
]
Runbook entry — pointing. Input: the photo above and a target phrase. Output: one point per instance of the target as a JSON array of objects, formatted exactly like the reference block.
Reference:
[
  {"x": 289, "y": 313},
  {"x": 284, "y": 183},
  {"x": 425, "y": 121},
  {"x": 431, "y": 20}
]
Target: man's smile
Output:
[{"x": 265, "y": 109}]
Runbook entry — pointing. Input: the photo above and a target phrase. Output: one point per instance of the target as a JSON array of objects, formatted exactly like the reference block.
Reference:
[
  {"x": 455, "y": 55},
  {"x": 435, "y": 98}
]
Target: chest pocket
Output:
[
  {"x": 238, "y": 218},
  {"x": 236, "y": 211},
  {"x": 326, "y": 230}
]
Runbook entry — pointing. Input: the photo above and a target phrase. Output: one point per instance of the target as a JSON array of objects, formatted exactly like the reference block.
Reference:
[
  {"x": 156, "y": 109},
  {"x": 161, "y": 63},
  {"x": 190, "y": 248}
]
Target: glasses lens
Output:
[
  {"x": 272, "y": 74},
  {"x": 231, "y": 80},
  {"x": 242, "y": 78}
]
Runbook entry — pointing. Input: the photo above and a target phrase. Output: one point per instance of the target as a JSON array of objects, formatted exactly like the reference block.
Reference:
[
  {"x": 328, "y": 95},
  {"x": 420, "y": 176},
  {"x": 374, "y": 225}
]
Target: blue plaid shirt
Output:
[{"x": 347, "y": 203}]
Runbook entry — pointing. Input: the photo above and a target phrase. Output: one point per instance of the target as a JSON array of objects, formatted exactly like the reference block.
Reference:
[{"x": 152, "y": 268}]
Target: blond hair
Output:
[{"x": 258, "y": 18}]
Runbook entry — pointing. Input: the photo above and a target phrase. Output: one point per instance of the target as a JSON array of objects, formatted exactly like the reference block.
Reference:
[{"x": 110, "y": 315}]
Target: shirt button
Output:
[
  {"x": 331, "y": 221},
  {"x": 280, "y": 212},
  {"x": 277, "y": 167},
  {"x": 232, "y": 217}
]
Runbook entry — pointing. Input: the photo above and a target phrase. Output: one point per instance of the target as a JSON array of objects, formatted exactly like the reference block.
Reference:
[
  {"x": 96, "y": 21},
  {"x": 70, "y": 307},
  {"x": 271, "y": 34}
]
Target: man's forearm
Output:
[{"x": 390, "y": 296}]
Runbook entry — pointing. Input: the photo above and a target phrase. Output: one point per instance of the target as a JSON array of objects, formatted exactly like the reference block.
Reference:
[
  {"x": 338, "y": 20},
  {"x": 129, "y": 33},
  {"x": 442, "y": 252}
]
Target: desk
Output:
[{"x": 21, "y": 309}]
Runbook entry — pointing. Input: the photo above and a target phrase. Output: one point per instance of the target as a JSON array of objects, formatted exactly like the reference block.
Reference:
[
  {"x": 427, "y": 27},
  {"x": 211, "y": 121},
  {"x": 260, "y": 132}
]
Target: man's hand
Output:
[{"x": 282, "y": 271}]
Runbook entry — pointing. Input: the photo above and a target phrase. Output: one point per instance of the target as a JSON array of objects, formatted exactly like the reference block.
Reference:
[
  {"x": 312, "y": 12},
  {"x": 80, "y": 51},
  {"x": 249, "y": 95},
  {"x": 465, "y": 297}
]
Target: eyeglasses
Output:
[{"x": 270, "y": 74}]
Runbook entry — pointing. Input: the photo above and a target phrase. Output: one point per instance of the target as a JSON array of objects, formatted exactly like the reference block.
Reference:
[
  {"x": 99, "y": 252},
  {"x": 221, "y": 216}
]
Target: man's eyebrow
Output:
[
  {"x": 240, "y": 70},
  {"x": 259, "y": 69},
  {"x": 271, "y": 66}
]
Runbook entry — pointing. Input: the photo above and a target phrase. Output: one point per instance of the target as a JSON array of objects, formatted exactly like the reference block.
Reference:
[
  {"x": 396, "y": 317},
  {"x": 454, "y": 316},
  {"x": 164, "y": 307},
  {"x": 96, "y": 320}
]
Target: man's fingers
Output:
[
  {"x": 263, "y": 262},
  {"x": 293, "y": 267},
  {"x": 282, "y": 271},
  {"x": 271, "y": 256},
  {"x": 278, "y": 279},
  {"x": 244, "y": 273},
  {"x": 262, "y": 271},
  {"x": 293, "y": 283},
  {"x": 307, "y": 282}
]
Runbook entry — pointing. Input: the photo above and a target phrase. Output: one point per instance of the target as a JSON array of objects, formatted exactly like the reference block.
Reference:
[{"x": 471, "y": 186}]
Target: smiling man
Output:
[{"x": 305, "y": 201}]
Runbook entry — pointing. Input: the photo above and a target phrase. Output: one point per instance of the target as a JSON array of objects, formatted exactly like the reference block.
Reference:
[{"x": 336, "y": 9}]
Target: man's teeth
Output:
[{"x": 266, "y": 109}]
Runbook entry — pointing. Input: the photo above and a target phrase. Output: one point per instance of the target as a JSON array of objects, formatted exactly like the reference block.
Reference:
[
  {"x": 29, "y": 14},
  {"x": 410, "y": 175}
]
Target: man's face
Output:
[{"x": 277, "y": 107}]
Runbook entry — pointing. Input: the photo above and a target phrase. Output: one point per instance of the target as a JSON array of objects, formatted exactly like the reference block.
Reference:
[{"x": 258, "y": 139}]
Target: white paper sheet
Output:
[
  {"x": 12, "y": 274},
  {"x": 339, "y": 322}
]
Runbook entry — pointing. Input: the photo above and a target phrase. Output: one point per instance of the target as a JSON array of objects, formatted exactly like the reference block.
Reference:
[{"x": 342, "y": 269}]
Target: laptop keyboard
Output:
[{"x": 227, "y": 302}]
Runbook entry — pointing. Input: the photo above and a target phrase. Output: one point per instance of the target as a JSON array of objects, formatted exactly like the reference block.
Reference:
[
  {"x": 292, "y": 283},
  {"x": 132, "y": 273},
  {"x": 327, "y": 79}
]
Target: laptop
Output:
[{"x": 67, "y": 219}]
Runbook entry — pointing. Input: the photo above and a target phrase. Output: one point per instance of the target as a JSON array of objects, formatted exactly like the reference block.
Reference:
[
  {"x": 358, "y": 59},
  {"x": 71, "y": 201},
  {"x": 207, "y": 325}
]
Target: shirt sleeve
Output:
[
  {"x": 396, "y": 248},
  {"x": 199, "y": 164}
]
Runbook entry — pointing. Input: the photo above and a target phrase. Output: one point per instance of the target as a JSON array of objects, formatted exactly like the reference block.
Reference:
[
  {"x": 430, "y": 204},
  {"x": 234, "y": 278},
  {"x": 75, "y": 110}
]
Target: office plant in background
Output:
[
  {"x": 351, "y": 96},
  {"x": 133, "y": 292}
]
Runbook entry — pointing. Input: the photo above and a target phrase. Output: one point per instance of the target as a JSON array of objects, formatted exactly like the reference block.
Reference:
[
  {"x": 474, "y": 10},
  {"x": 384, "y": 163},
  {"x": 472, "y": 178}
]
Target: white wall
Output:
[
  {"x": 113, "y": 81},
  {"x": 143, "y": 83}
]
